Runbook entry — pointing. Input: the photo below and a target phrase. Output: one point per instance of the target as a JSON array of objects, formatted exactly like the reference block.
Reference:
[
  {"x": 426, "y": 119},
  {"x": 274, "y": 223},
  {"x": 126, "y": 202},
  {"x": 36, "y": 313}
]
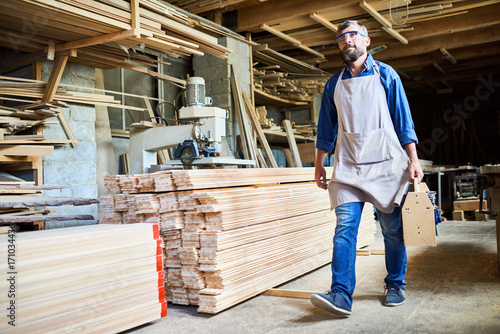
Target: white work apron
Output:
[{"x": 370, "y": 164}]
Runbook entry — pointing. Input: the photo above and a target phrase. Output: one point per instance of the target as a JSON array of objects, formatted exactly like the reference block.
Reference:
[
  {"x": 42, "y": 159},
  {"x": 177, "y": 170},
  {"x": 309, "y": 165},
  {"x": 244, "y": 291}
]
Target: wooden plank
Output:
[
  {"x": 289, "y": 293},
  {"x": 101, "y": 39},
  {"x": 26, "y": 150},
  {"x": 44, "y": 218},
  {"x": 260, "y": 134},
  {"x": 249, "y": 151},
  {"x": 67, "y": 128},
  {"x": 292, "y": 143},
  {"x": 8, "y": 202}
]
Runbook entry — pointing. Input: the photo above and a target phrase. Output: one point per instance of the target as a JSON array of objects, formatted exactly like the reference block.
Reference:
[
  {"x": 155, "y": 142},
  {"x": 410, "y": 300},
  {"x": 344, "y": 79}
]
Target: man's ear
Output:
[{"x": 367, "y": 41}]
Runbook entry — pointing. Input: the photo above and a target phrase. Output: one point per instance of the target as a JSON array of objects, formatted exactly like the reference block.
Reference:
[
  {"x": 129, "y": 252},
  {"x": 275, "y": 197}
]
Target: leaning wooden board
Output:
[{"x": 87, "y": 279}]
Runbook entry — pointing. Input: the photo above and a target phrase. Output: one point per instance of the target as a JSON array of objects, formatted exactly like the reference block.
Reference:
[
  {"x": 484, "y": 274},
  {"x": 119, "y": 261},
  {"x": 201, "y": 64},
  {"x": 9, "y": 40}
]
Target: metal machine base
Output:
[{"x": 212, "y": 162}]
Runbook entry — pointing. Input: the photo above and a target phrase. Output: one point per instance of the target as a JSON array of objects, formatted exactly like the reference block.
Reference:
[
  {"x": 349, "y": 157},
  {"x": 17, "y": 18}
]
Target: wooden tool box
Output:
[{"x": 419, "y": 227}]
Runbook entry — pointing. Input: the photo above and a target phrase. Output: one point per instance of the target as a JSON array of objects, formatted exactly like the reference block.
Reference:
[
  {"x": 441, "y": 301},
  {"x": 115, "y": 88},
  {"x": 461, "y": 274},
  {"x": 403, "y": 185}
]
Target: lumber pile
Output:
[
  {"x": 103, "y": 31},
  {"x": 23, "y": 202},
  {"x": 16, "y": 122},
  {"x": 230, "y": 234},
  {"x": 265, "y": 123},
  {"x": 281, "y": 85},
  {"x": 93, "y": 279}
]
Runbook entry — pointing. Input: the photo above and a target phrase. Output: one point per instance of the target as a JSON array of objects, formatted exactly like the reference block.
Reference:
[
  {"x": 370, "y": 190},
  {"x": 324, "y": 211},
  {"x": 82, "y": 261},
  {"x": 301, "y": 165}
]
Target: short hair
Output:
[{"x": 347, "y": 23}]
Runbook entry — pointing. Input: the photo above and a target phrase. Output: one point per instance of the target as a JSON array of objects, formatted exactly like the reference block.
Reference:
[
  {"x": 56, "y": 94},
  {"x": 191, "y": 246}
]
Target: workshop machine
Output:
[{"x": 197, "y": 141}]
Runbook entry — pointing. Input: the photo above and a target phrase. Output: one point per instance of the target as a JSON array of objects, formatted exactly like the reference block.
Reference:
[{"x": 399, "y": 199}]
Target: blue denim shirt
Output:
[{"x": 396, "y": 100}]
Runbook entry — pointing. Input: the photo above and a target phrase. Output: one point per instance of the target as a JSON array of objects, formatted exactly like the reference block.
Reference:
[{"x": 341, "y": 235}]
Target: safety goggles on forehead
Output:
[{"x": 352, "y": 34}]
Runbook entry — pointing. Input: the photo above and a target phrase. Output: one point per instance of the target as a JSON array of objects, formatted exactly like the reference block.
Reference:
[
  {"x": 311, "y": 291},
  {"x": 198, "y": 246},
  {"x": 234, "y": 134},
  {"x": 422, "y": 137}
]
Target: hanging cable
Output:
[{"x": 407, "y": 13}]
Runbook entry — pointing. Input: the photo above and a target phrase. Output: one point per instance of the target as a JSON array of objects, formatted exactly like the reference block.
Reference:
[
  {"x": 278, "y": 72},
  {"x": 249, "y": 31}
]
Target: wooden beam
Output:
[
  {"x": 386, "y": 25},
  {"x": 292, "y": 40},
  {"x": 477, "y": 18},
  {"x": 465, "y": 39},
  {"x": 55, "y": 77},
  {"x": 320, "y": 19},
  {"x": 376, "y": 15},
  {"x": 396, "y": 35},
  {"x": 135, "y": 14},
  {"x": 260, "y": 134},
  {"x": 95, "y": 40},
  {"x": 272, "y": 11}
]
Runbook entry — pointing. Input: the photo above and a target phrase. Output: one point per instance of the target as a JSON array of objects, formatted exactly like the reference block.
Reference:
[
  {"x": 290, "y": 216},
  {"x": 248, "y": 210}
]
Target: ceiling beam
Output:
[
  {"x": 386, "y": 25},
  {"x": 252, "y": 17},
  {"x": 292, "y": 40},
  {"x": 321, "y": 20},
  {"x": 424, "y": 46},
  {"x": 482, "y": 17}
]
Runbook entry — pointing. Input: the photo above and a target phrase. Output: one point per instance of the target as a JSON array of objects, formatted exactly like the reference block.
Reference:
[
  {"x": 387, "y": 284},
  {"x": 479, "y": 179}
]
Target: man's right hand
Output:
[{"x": 320, "y": 177}]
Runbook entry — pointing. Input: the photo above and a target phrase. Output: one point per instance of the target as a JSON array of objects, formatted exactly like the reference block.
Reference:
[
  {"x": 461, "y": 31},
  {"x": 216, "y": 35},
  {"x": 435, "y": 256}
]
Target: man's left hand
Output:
[{"x": 415, "y": 170}]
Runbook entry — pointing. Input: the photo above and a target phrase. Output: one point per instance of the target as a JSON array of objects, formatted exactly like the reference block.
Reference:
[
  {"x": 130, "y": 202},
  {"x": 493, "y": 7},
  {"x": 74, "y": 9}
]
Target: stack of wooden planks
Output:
[
  {"x": 102, "y": 32},
  {"x": 15, "y": 120},
  {"x": 230, "y": 234},
  {"x": 265, "y": 123},
  {"x": 22, "y": 202},
  {"x": 281, "y": 85},
  {"x": 93, "y": 279}
]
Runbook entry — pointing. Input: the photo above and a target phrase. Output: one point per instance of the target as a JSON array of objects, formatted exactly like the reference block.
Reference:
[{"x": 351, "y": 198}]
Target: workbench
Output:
[{"x": 493, "y": 173}]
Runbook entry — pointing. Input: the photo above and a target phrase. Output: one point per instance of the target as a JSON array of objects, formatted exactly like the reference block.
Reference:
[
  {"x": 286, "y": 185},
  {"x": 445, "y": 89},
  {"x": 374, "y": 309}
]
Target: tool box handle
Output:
[{"x": 416, "y": 187}]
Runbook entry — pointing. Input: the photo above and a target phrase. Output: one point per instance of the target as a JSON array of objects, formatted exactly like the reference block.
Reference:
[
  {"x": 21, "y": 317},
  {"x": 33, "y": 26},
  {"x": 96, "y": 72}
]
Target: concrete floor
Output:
[{"x": 452, "y": 288}]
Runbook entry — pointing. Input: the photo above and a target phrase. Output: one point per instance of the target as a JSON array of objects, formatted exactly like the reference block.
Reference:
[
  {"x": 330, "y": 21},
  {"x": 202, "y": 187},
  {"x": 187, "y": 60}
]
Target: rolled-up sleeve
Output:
[
  {"x": 327, "y": 122},
  {"x": 399, "y": 107}
]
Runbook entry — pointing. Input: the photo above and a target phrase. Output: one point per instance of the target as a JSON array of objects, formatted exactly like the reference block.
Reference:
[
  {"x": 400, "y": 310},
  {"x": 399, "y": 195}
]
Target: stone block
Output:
[
  {"x": 62, "y": 192},
  {"x": 82, "y": 113},
  {"x": 69, "y": 173},
  {"x": 85, "y": 190},
  {"x": 84, "y": 131},
  {"x": 85, "y": 151}
]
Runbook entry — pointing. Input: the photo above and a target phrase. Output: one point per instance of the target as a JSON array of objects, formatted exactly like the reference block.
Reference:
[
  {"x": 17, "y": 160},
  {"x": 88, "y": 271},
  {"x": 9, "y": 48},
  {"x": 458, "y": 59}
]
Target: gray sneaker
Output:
[
  {"x": 395, "y": 295},
  {"x": 331, "y": 301}
]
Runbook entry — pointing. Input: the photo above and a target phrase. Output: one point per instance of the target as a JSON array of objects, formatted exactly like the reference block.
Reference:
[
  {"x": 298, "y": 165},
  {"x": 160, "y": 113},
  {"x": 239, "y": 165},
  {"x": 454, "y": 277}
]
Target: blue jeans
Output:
[{"x": 344, "y": 247}]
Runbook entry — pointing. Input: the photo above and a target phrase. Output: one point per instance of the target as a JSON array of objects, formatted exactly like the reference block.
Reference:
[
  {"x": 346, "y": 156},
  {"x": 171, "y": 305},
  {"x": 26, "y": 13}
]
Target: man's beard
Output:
[{"x": 351, "y": 55}]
